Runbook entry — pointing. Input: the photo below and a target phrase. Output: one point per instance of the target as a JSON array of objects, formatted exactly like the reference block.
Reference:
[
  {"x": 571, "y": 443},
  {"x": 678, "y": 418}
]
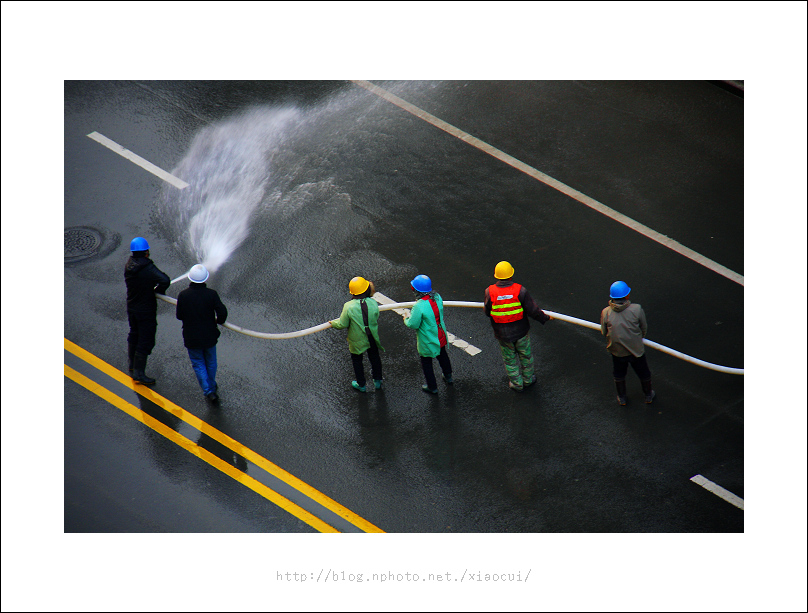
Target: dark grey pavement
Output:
[
  {"x": 356, "y": 186},
  {"x": 556, "y": 499}
]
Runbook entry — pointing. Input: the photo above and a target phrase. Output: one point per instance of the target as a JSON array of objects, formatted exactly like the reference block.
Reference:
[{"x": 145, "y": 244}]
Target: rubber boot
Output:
[
  {"x": 649, "y": 392},
  {"x": 139, "y": 367},
  {"x": 621, "y": 392},
  {"x": 132, "y": 358}
]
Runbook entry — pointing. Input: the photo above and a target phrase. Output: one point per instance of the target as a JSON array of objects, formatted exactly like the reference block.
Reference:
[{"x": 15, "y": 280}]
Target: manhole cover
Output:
[{"x": 83, "y": 243}]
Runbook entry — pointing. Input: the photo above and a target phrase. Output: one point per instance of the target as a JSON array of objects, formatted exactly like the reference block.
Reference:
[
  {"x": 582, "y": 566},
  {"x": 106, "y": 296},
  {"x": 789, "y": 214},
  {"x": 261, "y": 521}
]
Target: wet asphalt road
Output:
[
  {"x": 388, "y": 196},
  {"x": 357, "y": 186}
]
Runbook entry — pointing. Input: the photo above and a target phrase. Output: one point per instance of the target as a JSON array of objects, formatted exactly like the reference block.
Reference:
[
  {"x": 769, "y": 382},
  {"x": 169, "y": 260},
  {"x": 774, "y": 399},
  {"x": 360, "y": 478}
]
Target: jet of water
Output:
[{"x": 227, "y": 168}]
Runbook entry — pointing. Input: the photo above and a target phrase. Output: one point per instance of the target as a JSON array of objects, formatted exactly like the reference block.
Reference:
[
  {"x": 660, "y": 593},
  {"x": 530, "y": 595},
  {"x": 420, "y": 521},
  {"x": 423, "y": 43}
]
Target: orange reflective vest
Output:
[{"x": 505, "y": 305}]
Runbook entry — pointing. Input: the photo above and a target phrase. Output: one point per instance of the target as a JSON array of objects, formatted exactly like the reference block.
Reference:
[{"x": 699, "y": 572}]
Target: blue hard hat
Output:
[
  {"x": 422, "y": 283},
  {"x": 139, "y": 244},
  {"x": 619, "y": 289}
]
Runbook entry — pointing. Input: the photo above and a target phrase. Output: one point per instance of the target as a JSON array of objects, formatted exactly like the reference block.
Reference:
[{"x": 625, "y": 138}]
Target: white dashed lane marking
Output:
[
  {"x": 133, "y": 157},
  {"x": 453, "y": 340},
  {"x": 554, "y": 183},
  {"x": 718, "y": 491}
]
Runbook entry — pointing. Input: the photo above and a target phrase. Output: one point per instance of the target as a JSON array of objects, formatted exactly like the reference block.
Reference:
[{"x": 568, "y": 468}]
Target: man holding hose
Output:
[
  {"x": 426, "y": 318},
  {"x": 201, "y": 312},
  {"x": 509, "y": 305},
  {"x": 143, "y": 281},
  {"x": 361, "y": 316},
  {"x": 624, "y": 326}
]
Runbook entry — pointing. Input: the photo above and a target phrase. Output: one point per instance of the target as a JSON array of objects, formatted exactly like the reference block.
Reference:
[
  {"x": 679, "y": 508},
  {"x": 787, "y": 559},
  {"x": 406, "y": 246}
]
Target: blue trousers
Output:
[{"x": 204, "y": 363}]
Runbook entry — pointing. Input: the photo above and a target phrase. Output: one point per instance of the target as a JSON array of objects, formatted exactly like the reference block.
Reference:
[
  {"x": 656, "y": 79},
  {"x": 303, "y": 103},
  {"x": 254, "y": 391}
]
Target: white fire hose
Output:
[{"x": 477, "y": 305}]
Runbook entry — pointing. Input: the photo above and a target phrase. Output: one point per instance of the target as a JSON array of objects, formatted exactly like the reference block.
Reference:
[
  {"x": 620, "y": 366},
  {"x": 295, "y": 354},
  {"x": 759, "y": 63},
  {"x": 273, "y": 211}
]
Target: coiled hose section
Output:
[{"x": 476, "y": 305}]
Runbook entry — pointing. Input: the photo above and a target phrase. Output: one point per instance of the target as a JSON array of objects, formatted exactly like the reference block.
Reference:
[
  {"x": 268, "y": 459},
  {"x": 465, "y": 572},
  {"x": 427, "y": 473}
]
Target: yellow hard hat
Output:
[
  {"x": 358, "y": 285},
  {"x": 504, "y": 270}
]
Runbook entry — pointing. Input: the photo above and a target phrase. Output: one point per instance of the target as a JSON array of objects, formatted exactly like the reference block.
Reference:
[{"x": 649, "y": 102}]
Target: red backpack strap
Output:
[{"x": 441, "y": 333}]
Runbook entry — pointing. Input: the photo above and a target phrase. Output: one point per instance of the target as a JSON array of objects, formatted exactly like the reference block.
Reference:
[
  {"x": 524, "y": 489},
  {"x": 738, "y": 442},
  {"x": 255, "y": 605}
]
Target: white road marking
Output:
[
  {"x": 133, "y": 157},
  {"x": 718, "y": 491},
  {"x": 451, "y": 338},
  {"x": 547, "y": 180}
]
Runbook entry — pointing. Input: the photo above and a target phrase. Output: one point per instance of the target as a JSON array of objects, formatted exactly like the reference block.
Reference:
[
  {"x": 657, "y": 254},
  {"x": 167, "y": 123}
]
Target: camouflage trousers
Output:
[{"x": 518, "y": 359}]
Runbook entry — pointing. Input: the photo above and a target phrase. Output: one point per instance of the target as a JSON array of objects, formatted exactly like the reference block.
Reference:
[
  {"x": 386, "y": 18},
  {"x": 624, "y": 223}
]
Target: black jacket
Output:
[
  {"x": 200, "y": 309},
  {"x": 512, "y": 331},
  {"x": 143, "y": 281}
]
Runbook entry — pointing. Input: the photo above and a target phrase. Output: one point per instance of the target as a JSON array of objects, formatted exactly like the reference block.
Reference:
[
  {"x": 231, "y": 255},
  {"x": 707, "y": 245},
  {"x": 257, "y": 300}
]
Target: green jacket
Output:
[
  {"x": 351, "y": 318},
  {"x": 422, "y": 319}
]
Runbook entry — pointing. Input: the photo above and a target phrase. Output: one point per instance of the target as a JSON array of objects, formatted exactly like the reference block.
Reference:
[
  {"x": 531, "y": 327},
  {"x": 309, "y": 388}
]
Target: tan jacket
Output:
[{"x": 624, "y": 326}]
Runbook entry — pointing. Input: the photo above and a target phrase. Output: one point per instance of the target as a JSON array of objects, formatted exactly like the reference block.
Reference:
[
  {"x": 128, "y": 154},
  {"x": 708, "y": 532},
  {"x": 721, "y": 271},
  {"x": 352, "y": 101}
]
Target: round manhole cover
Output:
[{"x": 83, "y": 243}]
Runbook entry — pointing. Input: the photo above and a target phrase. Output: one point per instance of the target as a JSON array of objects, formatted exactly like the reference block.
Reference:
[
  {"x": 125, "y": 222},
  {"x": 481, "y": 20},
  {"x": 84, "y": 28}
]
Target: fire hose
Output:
[{"x": 478, "y": 305}]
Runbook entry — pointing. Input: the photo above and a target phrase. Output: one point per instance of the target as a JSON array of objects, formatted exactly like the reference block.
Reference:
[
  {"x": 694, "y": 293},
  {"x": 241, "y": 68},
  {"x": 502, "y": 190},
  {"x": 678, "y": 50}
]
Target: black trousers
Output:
[
  {"x": 375, "y": 363},
  {"x": 142, "y": 331},
  {"x": 429, "y": 371},
  {"x": 640, "y": 366}
]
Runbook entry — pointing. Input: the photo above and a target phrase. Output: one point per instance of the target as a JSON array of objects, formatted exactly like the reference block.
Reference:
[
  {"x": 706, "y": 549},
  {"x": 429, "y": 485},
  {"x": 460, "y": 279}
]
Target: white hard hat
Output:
[{"x": 198, "y": 274}]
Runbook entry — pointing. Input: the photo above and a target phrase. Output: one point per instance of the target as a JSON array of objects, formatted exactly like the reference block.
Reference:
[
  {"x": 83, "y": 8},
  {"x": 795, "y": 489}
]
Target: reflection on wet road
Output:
[
  {"x": 293, "y": 188},
  {"x": 214, "y": 447}
]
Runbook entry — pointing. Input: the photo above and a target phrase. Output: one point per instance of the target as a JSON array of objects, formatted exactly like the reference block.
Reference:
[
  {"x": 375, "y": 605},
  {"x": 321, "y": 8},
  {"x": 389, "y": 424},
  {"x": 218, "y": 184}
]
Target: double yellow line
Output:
[{"x": 189, "y": 445}]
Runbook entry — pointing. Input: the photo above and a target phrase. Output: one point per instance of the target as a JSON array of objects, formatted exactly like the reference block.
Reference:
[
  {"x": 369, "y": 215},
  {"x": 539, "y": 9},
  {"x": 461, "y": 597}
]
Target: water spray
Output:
[
  {"x": 181, "y": 277},
  {"x": 228, "y": 171}
]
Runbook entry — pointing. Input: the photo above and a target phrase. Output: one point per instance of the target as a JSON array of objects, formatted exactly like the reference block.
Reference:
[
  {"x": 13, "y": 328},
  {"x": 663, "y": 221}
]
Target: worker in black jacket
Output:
[
  {"x": 143, "y": 281},
  {"x": 200, "y": 309}
]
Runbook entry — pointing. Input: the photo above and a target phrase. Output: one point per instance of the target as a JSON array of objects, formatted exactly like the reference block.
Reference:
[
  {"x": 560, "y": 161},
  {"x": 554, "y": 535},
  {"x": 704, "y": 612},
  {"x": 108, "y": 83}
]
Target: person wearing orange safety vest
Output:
[{"x": 509, "y": 305}]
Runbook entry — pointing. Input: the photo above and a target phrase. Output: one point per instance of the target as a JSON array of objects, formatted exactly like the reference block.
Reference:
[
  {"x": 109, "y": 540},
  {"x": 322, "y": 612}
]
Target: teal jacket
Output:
[
  {"x": 422, "y": 319},
  {"x": 351, "y": 318}
]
